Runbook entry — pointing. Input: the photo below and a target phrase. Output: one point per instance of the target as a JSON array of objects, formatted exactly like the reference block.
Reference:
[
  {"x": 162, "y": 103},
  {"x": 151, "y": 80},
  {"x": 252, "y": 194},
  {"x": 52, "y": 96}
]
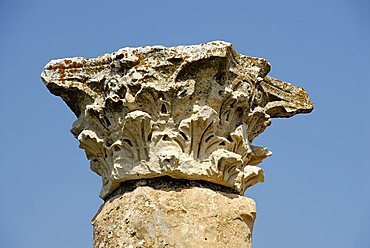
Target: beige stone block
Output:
[{"x": 175, "y": 217}]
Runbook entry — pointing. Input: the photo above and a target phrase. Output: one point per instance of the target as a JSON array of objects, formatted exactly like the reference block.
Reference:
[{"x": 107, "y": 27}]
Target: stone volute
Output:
[{"x": 170, "y": 130}]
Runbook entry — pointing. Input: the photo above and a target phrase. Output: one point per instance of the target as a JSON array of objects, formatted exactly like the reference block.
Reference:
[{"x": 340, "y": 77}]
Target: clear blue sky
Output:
[{"x": 317, "y": 189}]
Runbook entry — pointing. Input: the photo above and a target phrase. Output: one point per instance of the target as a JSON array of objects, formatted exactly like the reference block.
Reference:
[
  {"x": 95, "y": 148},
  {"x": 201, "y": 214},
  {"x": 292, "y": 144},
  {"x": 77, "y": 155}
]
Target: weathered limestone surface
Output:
[
  {"x": 174, "y": 216},
  {"x": 188, "y": 112}
]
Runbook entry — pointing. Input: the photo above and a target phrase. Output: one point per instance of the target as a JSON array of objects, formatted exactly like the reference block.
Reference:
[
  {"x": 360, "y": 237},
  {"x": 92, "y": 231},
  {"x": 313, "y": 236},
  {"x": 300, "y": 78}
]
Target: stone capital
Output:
[{"x": 188, "y": 112}]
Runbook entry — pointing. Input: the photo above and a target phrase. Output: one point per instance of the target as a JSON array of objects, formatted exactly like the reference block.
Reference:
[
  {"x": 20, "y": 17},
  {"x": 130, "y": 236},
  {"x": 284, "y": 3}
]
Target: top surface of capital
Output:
[{"x": 189, "y": 112}]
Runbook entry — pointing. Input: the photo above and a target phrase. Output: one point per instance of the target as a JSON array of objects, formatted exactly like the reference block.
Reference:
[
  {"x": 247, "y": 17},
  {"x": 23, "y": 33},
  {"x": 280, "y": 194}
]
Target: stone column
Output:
[{"x": 170, "y": 132}]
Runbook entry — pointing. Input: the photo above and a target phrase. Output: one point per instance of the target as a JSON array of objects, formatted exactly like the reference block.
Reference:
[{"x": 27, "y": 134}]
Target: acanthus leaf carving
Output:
[
  {"x": 189, "y": 112},
  {"x": 96, "y": 152},
  {"x": 200, "y": 130}
]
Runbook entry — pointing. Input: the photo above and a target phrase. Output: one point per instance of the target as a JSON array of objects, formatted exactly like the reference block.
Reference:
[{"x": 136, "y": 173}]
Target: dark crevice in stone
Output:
[{"x": 167, "y": 183}]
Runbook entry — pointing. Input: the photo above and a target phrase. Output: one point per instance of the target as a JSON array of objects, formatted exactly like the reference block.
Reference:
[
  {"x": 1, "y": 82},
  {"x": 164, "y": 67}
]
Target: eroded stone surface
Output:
[
  {"x": 188, "y": 112},
  {"x": 175, "y": 217}
]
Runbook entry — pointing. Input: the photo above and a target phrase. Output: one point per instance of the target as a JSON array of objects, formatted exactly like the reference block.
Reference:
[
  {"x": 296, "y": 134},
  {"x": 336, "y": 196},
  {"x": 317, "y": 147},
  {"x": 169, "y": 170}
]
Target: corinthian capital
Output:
[{"x": 188, "y": 112}]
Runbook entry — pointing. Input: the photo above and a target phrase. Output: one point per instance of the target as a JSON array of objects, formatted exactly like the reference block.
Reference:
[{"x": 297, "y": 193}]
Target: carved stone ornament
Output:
[{"x": 188, "y": 112}]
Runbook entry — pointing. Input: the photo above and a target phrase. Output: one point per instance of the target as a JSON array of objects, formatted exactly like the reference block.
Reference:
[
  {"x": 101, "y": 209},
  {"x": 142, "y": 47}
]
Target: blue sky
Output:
[{"x": 317, "y": 189}]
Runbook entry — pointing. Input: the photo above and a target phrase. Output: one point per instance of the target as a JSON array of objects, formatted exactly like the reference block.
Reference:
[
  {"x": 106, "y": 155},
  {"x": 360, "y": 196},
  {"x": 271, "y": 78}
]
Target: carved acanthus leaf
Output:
[{"x": 187, "y": 112}]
